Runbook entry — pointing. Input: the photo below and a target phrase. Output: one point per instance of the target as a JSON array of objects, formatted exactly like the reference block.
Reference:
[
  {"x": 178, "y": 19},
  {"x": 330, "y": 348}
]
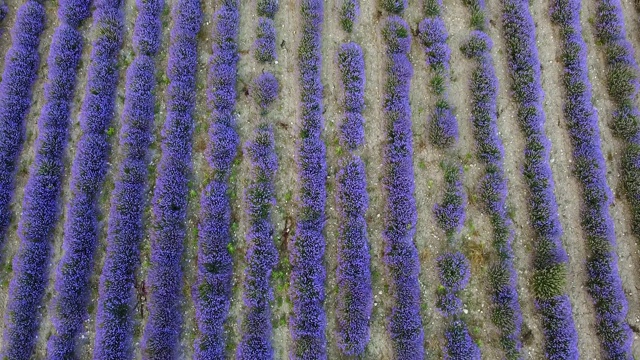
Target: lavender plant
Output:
[
  {"x": 215, "y": 267},
  {"x": 400, "y": 253},
  {"x": 550, "y": 259},
  {"x": 622, "y": 85},
  {"x": 265, "y": 45},
  {"x": 306, "y": 250},
  {"x": 20, "y": 67},
  {"x": 87, "y": 176},
  {"x": 349, "y": 11},
  {"x": 267, "y": 8},
  {"x": 450, "y": 212},
  {"x": 42, "y": 191},
  {"x": 265, "y": 91},
  {"x": 114, "y": 324},
  {"x": 262, "y": 254},
  {"x": 353, "y": 273},
  {"x": 161, "y": 336},
  {"x": 604, "y": 281},
  {"x": 443, "y": 127},
  {"x": 507, "y": 314}
]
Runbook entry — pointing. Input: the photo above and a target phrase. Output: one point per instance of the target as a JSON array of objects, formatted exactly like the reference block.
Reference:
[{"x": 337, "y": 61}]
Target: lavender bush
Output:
[
  {"x": 215, "y": 267},
  {"x": 351, "y": 65},
  {"x": 265, "y": 45},
  {"x": 353, "y": 272},
  {"x": 550, "y": 260},
  {"x": 604, "y": 281},
  {"x": 262, "y": 254},
  {"x": 443, "y": 127},
  {"x": 161, "y": 336},
  {"x": 349, "y": 11},
  {"x": 87, "y": 176},
  {"x": 114, "y": 322},
  {"x": 42, "y": 191},
  {"x": 267, "y": 8},
  {"x": 400, "y": 253},
  {"x": 20, "y": 67},
  {"x": 507, "y": 314},
  {"x": 265, "y": 91},
  {"x": 394, "y": 6},
  {"x": 306, "y": 249},
  {"x": 450, "y": 212}
]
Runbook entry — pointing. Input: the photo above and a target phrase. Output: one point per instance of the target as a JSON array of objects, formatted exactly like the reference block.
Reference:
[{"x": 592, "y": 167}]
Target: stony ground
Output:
[{"x": 285, "y": 115}]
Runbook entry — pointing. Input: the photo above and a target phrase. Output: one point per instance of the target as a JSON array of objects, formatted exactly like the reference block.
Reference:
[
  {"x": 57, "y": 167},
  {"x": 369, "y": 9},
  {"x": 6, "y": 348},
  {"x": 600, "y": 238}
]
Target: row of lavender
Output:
[
  {"x": 453, "y": 266},
  {"x": 355, "y": 296},
  {"x": 259, "y": 199},
  {"x": 400, "y": 253},
  {"x": 507, "y": 314}
]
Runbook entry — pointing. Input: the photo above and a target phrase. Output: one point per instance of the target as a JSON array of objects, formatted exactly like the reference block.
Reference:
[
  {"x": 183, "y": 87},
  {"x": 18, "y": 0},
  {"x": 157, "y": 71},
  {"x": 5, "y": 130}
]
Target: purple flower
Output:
[
  {"x": 114, "y": 326},
  {"x": 87, "y": 176},
  {"x": 42, "y": 191},
  {"x": 308, "y": 320},
  {"x": 400, "y": 253},
  {"x": 20, "y": 68},
  {"x": 262, "y": 254},
  {"x": 524, "y": 68},
  {"x": 212, "y": 290},
  {"x": 168, "y": 228}
]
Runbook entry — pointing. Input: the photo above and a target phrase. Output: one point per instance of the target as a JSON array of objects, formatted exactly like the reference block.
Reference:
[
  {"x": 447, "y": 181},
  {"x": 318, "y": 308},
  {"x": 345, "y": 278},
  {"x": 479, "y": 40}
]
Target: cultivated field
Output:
[{"x": 543, "y": 276}]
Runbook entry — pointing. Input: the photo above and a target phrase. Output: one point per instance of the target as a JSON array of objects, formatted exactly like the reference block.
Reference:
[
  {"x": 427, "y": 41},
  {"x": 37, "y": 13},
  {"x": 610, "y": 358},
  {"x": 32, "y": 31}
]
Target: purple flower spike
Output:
[
  {"x": 550, "y": 258},
  {"x": 212, "y": 290},
  {"x": 42, "y": 191},
  {"x": 87, "y": 176},
  {"x": 400, "y": 253},
  {"x": 114, "y": 325},
  {"x": 604, "y": 281},
  {"x": 168, "y": 229},
  {"x": 308, "y": 320}
]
